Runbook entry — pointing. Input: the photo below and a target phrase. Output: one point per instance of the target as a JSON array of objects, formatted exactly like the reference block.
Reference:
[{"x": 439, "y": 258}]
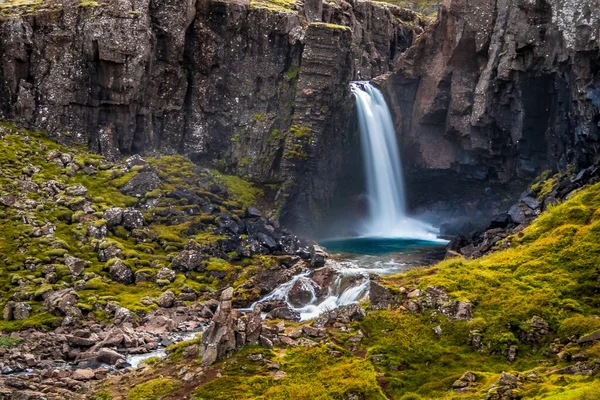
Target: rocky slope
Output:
[
  {"x": 259, "y": 88},
  {"x": 521, "y": 322},
  {"x": 497, "y": 92},
  {"x": 100, "y": 260}
]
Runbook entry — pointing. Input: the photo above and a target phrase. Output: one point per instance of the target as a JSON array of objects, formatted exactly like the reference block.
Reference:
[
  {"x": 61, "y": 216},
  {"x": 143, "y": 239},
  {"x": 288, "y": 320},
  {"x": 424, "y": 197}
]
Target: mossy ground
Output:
[
  {"x": 550, "y": 270},
  {"x": 169, "y": 225},
  {"x": 284, "y": 6}
]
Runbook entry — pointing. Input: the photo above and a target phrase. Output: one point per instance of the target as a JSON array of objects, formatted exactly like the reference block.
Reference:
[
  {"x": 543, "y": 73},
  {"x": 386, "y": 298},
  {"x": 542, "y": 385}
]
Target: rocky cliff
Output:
[
  {"x": 258, "y": 88},
  {"x": 495, "y": 93}
]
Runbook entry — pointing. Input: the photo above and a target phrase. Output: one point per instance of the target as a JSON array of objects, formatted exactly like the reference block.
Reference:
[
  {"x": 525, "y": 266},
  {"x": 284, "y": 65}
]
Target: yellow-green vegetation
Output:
[
  {"x": 38, "y": 230},
  {"x": 259, "y": 117},
  {"x": 295, "y": 151},
  {"x": 331, "y": 26},
  {"x": 89, "y": 3},
  {"x": 243, "y": 191},
  {"x": 9, "y": 341},
  {"x": 311, "y": 373},
  {"x": 275, "y": 134},
  {"x": 285, "y": 6},
  {"x": 544, "y": 184},
  {"x": 15, "y": 8},
  {"x": 550, "y": 271},
  {"x": 154, "y": 389},
  {"x": 300, "y": 132},
  {"x": 426, "y": 7}
]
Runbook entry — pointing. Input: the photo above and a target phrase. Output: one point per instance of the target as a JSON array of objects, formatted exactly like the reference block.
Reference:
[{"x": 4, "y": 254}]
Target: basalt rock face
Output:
[
  {"x": 496, "y": 92},
  {"x": 252, "y": 88}
]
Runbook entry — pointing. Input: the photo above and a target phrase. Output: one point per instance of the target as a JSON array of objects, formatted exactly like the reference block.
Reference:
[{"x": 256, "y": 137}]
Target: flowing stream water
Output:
[{"x": 387, "y": 234}]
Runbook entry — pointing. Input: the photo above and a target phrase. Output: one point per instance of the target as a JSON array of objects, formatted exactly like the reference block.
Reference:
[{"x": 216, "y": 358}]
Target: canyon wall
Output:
[
  {"x": 492, "y": 95},
  {"x": 258, "y": 89}
]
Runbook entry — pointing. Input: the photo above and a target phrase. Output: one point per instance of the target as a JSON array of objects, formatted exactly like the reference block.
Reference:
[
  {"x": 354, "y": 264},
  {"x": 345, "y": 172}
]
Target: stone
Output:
[
  {"x": 166, "y": 273},
  {"x": 253, "y": 212},
  {"x": 21, "y": 311},
  {"x": 144, "y": 276},
  {"x": 218, "y": 341},
  {"x": 83, "y": 374},
  {"x": 132, "y": 218},
  {"x": 286, "y": 313},
  {"x": 314, "y": 332},
  {"x": 109, "y": 356},
  {"x": 166, "y": 300},
  {"x": 113, "y": 216},
  {"x": 134, "y": 160},
  {"x": 143, "y": 182},
  {"x": 318, "y": 256},
  {"x": 76, "y": 265},
  {"x": 592, "y": 337},
  {"x": 467, "y": 379},
  {"x": 76, "y": 190},
  {"x": 121, "y": 273}
]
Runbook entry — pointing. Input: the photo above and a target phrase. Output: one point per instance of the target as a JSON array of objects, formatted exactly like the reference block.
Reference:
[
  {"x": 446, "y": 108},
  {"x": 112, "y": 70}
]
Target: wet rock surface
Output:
[
  {"x": 143, "y": 91},
  {"x": 493, "y": 95}
]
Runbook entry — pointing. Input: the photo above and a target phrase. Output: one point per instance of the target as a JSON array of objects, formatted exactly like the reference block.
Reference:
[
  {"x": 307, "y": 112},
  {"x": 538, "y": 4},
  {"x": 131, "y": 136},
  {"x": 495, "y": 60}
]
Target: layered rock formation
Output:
[
  {"x": 256, "y": 88},
  {"x": 496, "y": 92}
]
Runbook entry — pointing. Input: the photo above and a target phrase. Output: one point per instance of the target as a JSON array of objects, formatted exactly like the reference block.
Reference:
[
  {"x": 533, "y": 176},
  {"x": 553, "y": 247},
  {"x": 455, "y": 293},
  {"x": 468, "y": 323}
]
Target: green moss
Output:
[
  {"x": 282, "y": 6},
  {"x": 295, "y": 152},
  {"x": 292, "y": 72},
  {"x": 259, "y": 117},
  {"x": 242, "y": 191},
  {"x": 275, "y": 134},
  {"x": 331, "y": 26},
  {"x": 154, "y": 389},
  {"x": 9, "y": 341},
  {"x": 312, "y": 373},
  {"x": 300, "y": 132},
  {"x": 89, "y": 3}
]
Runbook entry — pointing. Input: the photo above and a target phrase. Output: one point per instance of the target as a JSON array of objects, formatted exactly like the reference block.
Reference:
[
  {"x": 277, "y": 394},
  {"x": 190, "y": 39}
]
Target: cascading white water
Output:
[{"x": 383, "y": 169}]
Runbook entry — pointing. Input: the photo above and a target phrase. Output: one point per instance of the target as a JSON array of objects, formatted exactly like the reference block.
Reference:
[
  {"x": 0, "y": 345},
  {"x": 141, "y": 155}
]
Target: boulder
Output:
[
  {"x": 83, "y": 374},
  {"x": 134, "y": 160},
  {"x": 109, "y": 357},
  {"x": 121, "y": 273},
  {"x": 286, "y": 313},
  {"x": 144, "y": 276},
  {"x": 58, "y": 303},
  {"x": 113, "y": 216},
  {"x": 318, "y": 256},
  {"x": 132, "y": 219},
  {"x": 145, "y": 181},
  {"x": 189, "y": 260},
  {"x": 166, "y": 300},
  {"x": 343, "y": 314},
  {"x": 219, "y": 342},
  {"x": 302, "y": 292},
  {"x": 166, "y": 273},
  {"x": 76, "y": 190},
  {"x": 253, "y": 212},
  {"x": 589, "y": 338},
  {"x": 76, "y": 265}
]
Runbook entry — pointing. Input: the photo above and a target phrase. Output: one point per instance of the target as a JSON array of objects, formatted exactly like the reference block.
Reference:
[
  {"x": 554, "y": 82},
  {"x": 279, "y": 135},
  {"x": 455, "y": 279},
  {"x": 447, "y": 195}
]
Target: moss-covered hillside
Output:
[
  {"x": 533, "y": 305},
  {"x": 119, "y": 233}
]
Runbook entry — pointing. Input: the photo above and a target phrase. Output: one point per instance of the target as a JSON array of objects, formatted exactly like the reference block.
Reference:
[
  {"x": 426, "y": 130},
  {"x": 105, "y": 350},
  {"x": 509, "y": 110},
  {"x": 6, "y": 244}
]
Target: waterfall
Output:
[{"x": 383, "y": 169}]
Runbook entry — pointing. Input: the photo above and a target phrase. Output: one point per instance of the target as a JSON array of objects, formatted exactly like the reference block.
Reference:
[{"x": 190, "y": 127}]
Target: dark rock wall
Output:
[
  {"x": 493, "y": 94},
  {"x": 228, "y": 83}
]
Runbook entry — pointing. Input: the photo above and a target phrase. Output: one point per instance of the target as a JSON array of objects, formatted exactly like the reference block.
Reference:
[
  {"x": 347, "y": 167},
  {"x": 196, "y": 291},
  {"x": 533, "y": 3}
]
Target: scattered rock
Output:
[
  {"x": 76, "y": 265},
  {"x": 166, "y": 300},
  {"x": 121, "y": 273}
]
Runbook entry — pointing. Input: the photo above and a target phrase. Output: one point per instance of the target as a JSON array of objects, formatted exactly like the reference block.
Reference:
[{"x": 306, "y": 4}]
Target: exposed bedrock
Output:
[
  {"x": 493, "y": 94},
  {"x": 256, "y": 88}
]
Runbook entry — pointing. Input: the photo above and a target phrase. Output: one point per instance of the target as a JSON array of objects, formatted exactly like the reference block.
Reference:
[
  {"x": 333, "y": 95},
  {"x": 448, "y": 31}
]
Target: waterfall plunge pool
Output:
[{"x": 378, "y": 246}]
